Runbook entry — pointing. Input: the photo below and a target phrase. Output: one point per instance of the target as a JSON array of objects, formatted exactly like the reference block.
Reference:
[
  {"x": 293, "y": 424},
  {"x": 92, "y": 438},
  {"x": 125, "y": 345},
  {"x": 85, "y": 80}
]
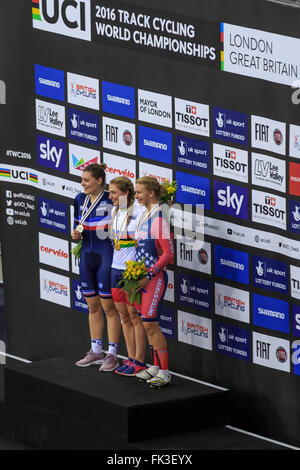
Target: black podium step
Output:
[{"x": 54, "y": 404}]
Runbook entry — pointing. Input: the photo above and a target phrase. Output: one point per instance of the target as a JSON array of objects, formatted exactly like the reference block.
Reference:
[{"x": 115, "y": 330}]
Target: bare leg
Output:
[
  {"x": 96, "y": 320},
  {"x": 128, "y": 329},
  {"x": 140, "y": 333},
  {"x": 113, "y": 320}
]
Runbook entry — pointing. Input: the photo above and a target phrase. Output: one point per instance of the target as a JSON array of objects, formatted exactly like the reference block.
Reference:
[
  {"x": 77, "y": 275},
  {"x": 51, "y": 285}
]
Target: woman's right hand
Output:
[{"x": 76, "y": 235}]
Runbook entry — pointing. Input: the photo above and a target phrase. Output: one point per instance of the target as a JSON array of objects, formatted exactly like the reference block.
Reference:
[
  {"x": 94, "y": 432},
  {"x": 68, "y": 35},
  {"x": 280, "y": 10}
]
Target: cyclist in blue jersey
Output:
[{"x": 92, "y": 214}]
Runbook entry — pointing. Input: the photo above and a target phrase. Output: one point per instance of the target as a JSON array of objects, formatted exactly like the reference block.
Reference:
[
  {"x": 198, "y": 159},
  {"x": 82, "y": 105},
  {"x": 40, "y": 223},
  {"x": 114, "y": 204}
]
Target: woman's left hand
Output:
[{"x": 142, "y": 283}]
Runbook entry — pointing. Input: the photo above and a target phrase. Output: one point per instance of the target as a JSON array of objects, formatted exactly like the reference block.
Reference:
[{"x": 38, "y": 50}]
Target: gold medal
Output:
[{"x": 117, "y": 246}]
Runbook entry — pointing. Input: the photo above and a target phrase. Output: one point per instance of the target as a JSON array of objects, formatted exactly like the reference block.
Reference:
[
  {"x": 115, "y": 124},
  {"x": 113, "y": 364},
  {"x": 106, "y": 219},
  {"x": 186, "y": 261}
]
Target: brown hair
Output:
[
  {"x": 125, "y": 184},
  {"x": 97, "y": 170},
  {"x": 152, "y": 184}
]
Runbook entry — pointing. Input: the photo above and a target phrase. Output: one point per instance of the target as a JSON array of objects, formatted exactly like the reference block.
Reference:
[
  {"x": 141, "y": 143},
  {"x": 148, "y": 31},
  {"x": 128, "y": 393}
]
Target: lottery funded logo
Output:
[
  {"x": 231, "y": 126},
  {"x": 84, "y": 127},
  {"x": 53, "y": 214},
  {"x": 193, "y": 154},
  {"x": 194, "y": 292},
  {"x": 79, "y": 302},
  {"x": 270, "y": 274},
  {"x": 233, "y": 341}
]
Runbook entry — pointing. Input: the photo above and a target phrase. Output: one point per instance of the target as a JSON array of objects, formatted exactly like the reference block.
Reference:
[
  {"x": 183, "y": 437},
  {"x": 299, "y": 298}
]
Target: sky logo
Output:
[
  {"x": 231, "y": 200},
  {"x": 192, "y": 189},
  {"x": 155, "y": 144},
  {"x": 118, "y": 99},
  {"x": 84, "y": 127},
  {"x": 51, "y": 153},
  {"x": 53, "y": 215},
  {"x": 232, "y": 264},
  {"x": 49, "y": 82},
  {"x": 231, "y": 126},
  {"x": 270, "y": 274},
  {"x": 296, "y": 320},
  {"x": 193, "y": 154},
  {"x": 271, "y": 313},
  {"x": 233, "y": 341}
]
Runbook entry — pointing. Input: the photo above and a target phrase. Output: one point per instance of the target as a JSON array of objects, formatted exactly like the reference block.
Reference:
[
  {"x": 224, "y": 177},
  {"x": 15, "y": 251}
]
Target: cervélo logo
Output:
[
  {"x": 67, "y": 17},
  {"x": 54, "y": 251}
]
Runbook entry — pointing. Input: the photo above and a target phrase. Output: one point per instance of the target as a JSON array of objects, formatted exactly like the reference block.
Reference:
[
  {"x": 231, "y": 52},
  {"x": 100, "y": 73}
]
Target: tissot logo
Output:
[{"x": 66, "y": 17}]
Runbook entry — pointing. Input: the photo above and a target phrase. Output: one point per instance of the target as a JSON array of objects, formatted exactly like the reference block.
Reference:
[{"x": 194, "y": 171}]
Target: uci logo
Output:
[{"x": 67, "y": 17}]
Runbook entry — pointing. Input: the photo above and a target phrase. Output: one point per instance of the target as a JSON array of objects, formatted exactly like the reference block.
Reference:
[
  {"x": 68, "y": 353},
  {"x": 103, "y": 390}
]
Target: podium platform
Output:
[{"x": 53, "y": 404}]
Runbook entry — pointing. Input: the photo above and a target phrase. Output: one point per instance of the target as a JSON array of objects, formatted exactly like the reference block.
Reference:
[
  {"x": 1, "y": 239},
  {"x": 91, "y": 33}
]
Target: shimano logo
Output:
[
  {"x": 157, "y": 145},
  {"x": 190, "y": 189},
  {"x": 45, "y": 81},
  {"x": 118, "y": 99},
  {"x": 232, "y": 264}
]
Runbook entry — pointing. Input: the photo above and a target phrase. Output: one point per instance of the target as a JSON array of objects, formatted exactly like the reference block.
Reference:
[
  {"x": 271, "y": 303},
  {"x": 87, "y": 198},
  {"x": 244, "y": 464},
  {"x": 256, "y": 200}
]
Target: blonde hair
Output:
[{"x": 152, "y": 184}]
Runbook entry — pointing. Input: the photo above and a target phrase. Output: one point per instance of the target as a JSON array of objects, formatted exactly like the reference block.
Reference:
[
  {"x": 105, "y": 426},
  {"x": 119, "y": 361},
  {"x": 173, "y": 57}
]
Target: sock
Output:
[
  {"x": 112, "y": 349},
  {"x": 162, "y": 359},
  {"x": 96, "y": 346}
]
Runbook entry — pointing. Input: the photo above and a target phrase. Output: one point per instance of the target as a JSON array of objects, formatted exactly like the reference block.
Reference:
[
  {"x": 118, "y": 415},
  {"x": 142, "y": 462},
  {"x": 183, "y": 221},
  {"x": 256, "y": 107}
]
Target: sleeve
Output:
[{"x": 160, "y": 231}]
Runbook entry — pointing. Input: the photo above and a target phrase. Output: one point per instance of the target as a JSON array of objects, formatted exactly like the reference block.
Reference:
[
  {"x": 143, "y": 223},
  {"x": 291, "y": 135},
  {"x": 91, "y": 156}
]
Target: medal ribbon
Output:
[{"x": 85, "y": 213}]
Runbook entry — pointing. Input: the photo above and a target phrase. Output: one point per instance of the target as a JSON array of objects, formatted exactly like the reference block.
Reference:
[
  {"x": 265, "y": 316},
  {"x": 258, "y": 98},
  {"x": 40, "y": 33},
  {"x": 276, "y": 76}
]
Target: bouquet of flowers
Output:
[
  {"x": 171, "y": 189},
  {"x": 135, "y": 270},
  {"x": 76, "y": 251}
]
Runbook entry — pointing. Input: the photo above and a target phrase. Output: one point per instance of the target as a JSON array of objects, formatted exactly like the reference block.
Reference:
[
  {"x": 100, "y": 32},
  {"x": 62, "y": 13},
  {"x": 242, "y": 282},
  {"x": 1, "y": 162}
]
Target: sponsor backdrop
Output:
[{"x": 178, "y": 94}]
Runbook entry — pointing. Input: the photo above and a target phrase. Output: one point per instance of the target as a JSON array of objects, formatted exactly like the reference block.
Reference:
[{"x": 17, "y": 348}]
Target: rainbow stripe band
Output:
[
  {"x": 36, "y": 15},
  {"x": 33, "y": 177},
  {"x": 126, "y": 243},
  {"x": 222, "y": 41},
  {"x": 5, "y": 172}
]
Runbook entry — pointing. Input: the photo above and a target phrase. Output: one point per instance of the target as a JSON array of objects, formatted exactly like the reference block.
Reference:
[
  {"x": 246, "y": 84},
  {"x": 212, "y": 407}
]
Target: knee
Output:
[
  {"x": 95, "y": 309},
  {"x": 150, "y": 329},
  {"x": 125, "y": 318},
  {"x": 110, "y": 312}
]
